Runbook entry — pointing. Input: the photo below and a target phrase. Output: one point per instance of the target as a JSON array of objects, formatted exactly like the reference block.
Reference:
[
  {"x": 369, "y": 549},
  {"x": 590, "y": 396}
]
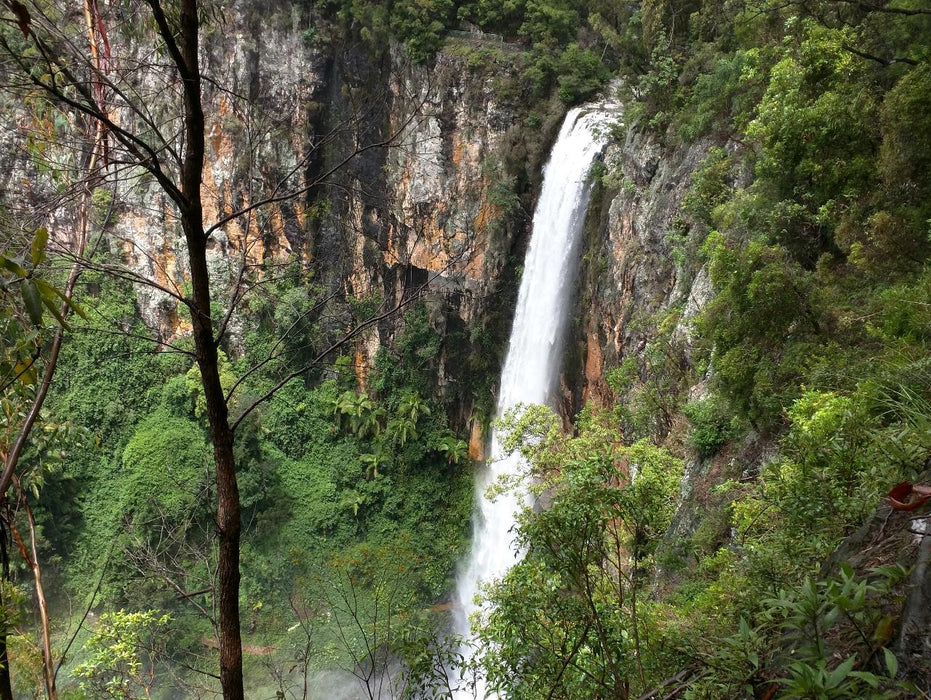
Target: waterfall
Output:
[{"x": 535, "y": 348}]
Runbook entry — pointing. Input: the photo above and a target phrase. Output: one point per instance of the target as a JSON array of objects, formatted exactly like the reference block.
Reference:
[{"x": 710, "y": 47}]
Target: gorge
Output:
[{"x": 323, "y": 252}]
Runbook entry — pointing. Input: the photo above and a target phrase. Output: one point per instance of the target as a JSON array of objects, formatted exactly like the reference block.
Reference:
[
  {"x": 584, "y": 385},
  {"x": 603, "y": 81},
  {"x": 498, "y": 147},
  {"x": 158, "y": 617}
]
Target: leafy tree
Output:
[
  {"x": 760, "y": 323},
  {"x": 454, "y": 450},
  {"x": 503, "y": 16},
  {"x": 421, "y": 25},
  {"x": 581, "y": 73},
  {"x": 164, "y": 468},
  {"x": 565, "y": 621},
  {"x": 123, "y": 653}
]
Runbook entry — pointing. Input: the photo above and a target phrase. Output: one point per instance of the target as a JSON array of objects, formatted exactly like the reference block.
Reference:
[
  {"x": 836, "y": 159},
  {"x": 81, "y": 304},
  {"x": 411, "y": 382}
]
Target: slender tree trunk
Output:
[
  {"x": 48, "y": 666},
  {"x": 6, "y": 682},
  {"x": 205, "y": 343}
]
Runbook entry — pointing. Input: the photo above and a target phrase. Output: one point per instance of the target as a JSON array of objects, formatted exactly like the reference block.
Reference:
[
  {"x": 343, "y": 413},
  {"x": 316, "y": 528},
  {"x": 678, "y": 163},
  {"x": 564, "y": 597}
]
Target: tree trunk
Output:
[
  {"x": 205, "y": 344},
  {"x": 48, "y": 667},
  {"x": 6, "y": 685},
  {"x": 228, "y": 506}
]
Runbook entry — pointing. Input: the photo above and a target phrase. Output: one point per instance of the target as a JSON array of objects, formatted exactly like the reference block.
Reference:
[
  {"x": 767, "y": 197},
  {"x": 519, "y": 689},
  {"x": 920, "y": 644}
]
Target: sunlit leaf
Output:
[{"x": 26, "y": 372}]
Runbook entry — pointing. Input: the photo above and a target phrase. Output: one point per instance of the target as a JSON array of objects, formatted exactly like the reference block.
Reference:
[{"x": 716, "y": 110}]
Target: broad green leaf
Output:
[
  {"x": 892, "y": 663},
  {"x": 48, "y": 291},
  {"x": 53, "y": 309},
  {"x": 871, "y": 679},
  {"x": 39, "y": 243},
  {"x": 837, "y": 676}
]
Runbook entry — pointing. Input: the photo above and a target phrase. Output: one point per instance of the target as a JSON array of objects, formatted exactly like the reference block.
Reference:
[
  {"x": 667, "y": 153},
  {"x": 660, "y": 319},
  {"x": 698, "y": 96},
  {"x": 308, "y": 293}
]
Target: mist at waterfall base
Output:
[{"x": 534, "y": 353}]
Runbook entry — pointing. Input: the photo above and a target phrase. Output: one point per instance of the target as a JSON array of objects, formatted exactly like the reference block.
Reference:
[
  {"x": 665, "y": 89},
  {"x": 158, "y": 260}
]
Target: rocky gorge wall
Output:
[
  {"x": 420, "y": 178},
  {"x": 408, "y": 179}
]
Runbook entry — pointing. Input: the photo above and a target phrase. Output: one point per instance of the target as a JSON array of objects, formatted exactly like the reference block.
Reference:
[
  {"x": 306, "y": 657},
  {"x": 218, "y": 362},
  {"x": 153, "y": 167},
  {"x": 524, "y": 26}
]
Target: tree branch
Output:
[{"x": 885, "y": 62}]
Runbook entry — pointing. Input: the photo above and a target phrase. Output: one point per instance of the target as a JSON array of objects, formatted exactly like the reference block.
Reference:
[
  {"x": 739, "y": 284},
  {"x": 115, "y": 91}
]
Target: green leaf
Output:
[
  {"x": 871, "y": 679},
  {"x": 892, "y": 663},
  {"x": 53, "y": 309},
  {"x": 837, "y": 676},
  {"x": 49, "y": 292},
  {"x": 39, "y": 243},
  {"x": 8, "y": 264},
  {"x": 33, "y": 301}
]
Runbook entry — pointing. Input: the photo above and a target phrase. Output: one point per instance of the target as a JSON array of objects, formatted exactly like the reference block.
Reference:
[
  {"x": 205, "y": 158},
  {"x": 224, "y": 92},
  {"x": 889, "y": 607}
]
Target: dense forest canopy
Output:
[{"x": 689, "y": 541}]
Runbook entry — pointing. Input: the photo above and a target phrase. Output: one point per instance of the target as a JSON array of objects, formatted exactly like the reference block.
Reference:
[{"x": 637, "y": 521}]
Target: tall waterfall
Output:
[{"x": 535, "y": 348}]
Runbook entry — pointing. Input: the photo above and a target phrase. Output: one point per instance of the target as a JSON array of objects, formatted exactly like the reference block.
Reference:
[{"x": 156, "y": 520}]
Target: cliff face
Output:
[
  {"x": 451, "y": 129},
  {"x": 633, "y": 273},
  {"x": 397, "y": 167},
  {"x": 405, "y": 174}
]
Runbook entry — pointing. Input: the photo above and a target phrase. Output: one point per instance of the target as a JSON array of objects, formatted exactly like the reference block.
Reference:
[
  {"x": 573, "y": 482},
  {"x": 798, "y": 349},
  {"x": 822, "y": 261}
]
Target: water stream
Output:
[{"x": 534, "y": 354}]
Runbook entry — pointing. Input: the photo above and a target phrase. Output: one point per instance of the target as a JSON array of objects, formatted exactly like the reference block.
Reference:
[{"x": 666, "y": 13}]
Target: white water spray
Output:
[{"x": 535, "y": 347}]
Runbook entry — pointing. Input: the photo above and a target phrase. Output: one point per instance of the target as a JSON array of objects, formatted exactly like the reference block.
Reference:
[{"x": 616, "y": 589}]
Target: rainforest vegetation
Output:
[{"x": 687, "y": 540}]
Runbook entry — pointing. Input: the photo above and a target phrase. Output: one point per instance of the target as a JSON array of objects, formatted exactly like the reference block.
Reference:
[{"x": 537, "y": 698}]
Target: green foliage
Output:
[
  {"x": 502, "y": 192},
  {"x": 323, "y": 468},
  {"x": 408, "y": 365},
  {"x": 813, "y": 124},
  {"x": 652, "y": 385},
  {"x": 560, "y": 54},
  {"x": 712, "y": 425},
  {"x": 361, "y": 414},
  {"x": 122, "y": 654},
  {"x": 905, "y": 159},
  {"x": 504, "y": 16},
  {"x": 454, "y": 450},
  {"x": 818, "y": 336},
  {"x": 26, "y": 298},
  {"x": 761, "y": 325},
  {"x": 812, "y": 612},
  {"x": 549, "y": 22},
  {"x": 720, "y": 95},
  {"x": 840, "y": 454},
  {"x": 433, "y": 665},
  {"x": 656, "y": 85},
  {"x": 421, "y": 25},
  {"x": 164, "y": 468},
  {"x": 709, "y": 187},
  {"x": 581, "y": 73},
  {"x": 567, "y": 613}
]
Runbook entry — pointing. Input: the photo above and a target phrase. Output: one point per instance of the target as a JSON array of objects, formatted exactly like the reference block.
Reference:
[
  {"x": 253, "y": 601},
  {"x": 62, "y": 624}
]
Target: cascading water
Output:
[{"x": 535, "y": 347}]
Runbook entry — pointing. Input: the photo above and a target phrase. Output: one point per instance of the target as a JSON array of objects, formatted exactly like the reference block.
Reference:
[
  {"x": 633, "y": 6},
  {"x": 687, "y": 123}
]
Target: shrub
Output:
[
  {"x": 712, "y": 425},
  {"x": 581, "y": 73}
]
